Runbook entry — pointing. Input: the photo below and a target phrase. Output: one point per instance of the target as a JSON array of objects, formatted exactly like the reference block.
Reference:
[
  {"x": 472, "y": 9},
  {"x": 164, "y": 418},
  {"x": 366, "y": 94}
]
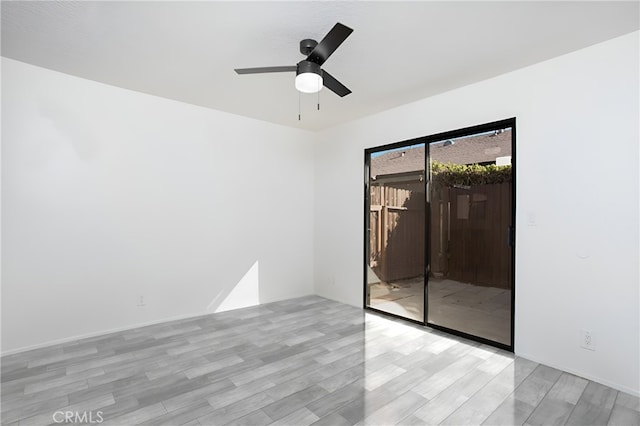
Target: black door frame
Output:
[{"x": 427, "y": 140}]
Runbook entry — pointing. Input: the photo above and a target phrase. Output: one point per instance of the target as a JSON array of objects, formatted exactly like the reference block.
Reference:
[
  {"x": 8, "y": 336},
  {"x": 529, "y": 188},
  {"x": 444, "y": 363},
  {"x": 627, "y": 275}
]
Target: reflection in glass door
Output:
[
  {"x": 395, "y": 232},
  {"x": 470, "y": 238}
]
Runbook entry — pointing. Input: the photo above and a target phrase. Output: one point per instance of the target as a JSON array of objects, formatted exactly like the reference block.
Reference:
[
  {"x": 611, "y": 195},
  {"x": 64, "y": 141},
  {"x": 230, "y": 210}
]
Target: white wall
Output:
[
  {"x": 577, "y": 173},
  {"x": 109, "y": 194}
]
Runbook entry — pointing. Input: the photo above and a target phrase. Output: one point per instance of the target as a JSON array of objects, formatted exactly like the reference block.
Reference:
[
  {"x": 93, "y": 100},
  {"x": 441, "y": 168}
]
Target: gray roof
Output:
[{"x": 472, "y": 150}]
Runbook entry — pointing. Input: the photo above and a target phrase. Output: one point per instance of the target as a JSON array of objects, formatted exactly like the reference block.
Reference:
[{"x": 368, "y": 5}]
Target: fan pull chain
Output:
[
  {"x": 318, "y": 95},
  {"x": 298, "y": 106}
]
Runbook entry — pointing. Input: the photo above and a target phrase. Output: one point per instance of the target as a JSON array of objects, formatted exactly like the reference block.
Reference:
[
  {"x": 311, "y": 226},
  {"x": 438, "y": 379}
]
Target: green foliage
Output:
[{"x": 474, "y": 174}]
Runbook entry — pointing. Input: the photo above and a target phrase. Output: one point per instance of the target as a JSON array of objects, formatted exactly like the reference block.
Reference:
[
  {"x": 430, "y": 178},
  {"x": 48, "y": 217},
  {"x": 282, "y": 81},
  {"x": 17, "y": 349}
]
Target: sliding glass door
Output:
[{"x": 439, "y": 234}]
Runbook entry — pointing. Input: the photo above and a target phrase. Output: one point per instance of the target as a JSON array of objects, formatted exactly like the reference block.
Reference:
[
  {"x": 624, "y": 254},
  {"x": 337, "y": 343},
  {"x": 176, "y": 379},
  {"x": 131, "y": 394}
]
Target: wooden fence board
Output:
[{"x": 468, "y": 233}]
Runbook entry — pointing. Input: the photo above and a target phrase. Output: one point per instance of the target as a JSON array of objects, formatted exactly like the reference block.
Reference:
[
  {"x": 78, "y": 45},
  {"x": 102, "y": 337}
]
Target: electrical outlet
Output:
[
  {"x": 531, "y": 219},
  {"x": 586, "y": 340}
]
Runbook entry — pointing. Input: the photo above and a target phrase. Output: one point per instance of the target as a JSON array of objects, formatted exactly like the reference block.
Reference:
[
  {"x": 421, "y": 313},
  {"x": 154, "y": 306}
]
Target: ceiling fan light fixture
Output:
[
  {"x": 308, "y": 77},
  {"x": 308, "y": 82}
]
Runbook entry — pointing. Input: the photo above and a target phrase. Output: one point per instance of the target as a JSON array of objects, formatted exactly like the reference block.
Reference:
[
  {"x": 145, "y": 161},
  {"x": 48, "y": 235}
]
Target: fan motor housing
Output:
[
  {"x": 308, "y": 66},
  {"x": 307, "y": 45}
]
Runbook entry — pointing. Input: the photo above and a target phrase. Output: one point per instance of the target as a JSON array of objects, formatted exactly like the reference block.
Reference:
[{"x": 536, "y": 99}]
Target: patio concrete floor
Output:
[{"x": 477, "y": 310}]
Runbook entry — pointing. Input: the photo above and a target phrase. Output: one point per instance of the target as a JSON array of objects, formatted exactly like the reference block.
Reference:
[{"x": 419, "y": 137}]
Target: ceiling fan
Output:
[{"x": 310, "y": 77}]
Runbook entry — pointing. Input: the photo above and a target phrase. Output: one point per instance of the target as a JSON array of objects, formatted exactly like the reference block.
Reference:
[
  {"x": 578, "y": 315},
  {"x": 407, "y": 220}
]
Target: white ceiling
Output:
[{"x": 399, "y": 51}]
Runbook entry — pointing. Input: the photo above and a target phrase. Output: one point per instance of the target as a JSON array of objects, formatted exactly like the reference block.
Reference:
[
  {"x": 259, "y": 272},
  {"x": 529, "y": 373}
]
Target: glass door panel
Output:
[
  {"x": 470, "y": 194},
  {"x": 396, "y": 231}
]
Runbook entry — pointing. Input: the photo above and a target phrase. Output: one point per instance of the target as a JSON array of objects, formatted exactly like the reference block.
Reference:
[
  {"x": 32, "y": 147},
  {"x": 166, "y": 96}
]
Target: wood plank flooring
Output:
[{"x": 297, "y": 362}]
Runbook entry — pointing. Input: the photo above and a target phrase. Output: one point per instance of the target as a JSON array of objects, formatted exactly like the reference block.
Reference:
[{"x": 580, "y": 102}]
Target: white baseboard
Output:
[
  {"x": 101, "y": 333},
  {"x": 118, "y": 329},
  {"x": 634, "y": 392}
]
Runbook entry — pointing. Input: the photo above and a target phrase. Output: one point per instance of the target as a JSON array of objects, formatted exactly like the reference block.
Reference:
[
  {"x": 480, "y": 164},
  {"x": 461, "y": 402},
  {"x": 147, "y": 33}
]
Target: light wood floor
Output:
[{"x": 297, "y": 362}]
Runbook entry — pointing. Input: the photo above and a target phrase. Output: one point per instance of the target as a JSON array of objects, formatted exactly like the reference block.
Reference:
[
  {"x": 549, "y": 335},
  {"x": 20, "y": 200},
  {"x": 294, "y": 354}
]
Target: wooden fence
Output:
[
  {"x": 397, "y": 221},
  {"x": 468, "y": 233}
]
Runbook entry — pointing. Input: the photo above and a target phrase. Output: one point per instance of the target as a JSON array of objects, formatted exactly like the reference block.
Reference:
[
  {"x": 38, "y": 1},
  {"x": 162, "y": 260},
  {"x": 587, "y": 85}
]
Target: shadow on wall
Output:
[{"x": 244, "y": 293}]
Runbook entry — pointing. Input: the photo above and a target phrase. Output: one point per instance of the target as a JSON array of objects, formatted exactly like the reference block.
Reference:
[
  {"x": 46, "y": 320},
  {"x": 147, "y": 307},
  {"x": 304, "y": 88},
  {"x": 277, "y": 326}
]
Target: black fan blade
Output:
[
  {"x": 263, "y": 70},
  {"x": 329, "y": 43},
  {"x": 334, "y": 85}
]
